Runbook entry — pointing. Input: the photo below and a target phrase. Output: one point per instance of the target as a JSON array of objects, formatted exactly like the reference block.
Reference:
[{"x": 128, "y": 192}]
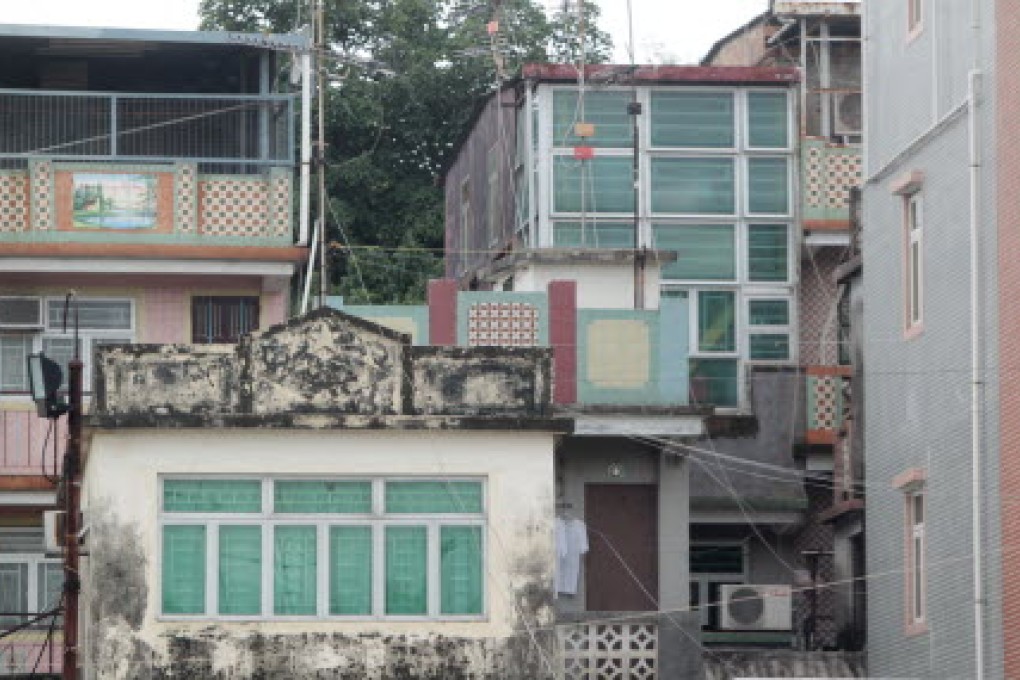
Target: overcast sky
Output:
[{"x": 665, "y": 30}]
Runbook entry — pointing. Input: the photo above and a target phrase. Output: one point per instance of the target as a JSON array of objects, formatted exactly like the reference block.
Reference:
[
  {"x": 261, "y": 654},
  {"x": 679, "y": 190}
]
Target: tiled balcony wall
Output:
[{"x": 830, "y": 171}]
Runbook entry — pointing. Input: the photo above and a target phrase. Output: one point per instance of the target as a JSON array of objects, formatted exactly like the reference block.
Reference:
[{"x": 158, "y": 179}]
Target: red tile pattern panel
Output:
[
  {"x": 234, "y": 207},
  {"x": 503, "y": 324},
  {"x": 563, "y": 338},
  {"x": 13, "y": 202}
]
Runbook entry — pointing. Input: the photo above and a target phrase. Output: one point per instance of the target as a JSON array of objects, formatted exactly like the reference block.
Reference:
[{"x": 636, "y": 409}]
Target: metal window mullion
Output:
[
  {"x": 322, "y": 569},
  {"x": 212, "y": 565},
  {"x": 267, "y": 568},
  {"x": 378, "y": 570},
  {"x": 434, "y": 578}
]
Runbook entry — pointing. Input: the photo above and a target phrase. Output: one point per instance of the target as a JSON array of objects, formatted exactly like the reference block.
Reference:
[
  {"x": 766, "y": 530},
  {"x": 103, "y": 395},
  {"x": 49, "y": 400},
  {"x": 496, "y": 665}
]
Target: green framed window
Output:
[
  {"x": 769, "y": 346},
  {"x": 768, "y": 312},
  {"x": 607, "y": 183},
  {"x": 693, "y": 186},
  {"x": 717, "y": 559},
  {"x": 692, "y": 120},
  {"x": 607, "y": 111},
  {"x": 705, "y": 252},
  {"x": 768, "y": 186},
  {"x": 382, "y": 544},
  {"x": 768, "y": 252},
  {"x": 609, "y": 235},
  {"x": 768, "y": 120},
  {"x": 717, "y": 321},
  {"x": 714, "y": 381}
]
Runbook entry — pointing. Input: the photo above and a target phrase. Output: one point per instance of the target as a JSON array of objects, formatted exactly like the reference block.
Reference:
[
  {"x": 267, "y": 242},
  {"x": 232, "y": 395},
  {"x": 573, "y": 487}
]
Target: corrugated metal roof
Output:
[
  {"x": 757, "y": 75},
  {"x": 272, "y": 41}
]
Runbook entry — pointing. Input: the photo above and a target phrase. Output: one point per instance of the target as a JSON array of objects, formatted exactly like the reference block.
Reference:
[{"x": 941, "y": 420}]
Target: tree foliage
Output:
[{"x": 388, "y": 136}]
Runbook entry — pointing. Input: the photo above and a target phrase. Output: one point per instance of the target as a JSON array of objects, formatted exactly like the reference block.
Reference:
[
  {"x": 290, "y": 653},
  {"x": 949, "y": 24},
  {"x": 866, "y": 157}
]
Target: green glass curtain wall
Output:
[
  {"x": 455, "y": 497},
  {"x": 614, "y": 235},
  {"x": 768, "y": 186},
  {"x": 704, "y": 251},
  {"x": 693, "y": 186},
  {"x": 714, "y": 381},
  {"x": 240, "y": 577},
  {"x": 767, "y": 252},
  {"x": 768, "y": 125},
  {"x": 768, "y": 312},
  {"x": 608, "y": 185},
  {"x": 350, "y": 570},
  {"x": 406, "y": 570},
  {"x": 212, "y": 495},
  {"x": 717, "y": 329},
  {"x": 607, "y": 111},
  {"x": 294, "y": 570},
  {"x": 692, "y": 120},
  {"x": 183, "y": 569},
  {"x": 341, "y": 497},
  {"x": 770, "y": 346},
  {"x": 461, "y": 570}
]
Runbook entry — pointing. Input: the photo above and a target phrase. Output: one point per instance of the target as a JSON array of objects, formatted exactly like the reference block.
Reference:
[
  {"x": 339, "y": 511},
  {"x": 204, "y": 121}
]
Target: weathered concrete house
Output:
[{"x": 325, "y": 499}]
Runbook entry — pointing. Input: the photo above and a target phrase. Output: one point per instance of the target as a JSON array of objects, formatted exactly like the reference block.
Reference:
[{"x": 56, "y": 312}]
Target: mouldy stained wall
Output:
[
  {"x": 480, "y": 381},
  {"x": 325, "y": 363},
  {"x": 167, "y": 379},
  {"x": 725, "y": 665}
]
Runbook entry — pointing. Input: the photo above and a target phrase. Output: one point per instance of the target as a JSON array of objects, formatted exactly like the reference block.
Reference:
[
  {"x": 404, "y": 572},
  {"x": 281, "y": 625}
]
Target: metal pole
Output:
[
  {"x": 320, "y": 157},
  {"x": 72, "y": 502}
]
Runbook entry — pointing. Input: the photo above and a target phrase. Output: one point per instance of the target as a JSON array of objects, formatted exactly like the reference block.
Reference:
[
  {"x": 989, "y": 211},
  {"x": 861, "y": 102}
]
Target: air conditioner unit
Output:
[
  {"x": 847, "y": 113},
  {"x": 755, "y": 607},
  {"x": 24, "y": 313},
  {"x": 53, "y": 531}
]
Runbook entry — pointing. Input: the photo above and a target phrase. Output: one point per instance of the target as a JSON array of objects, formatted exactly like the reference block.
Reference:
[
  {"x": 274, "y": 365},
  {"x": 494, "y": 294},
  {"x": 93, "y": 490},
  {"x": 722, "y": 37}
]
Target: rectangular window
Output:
[
  {"x": 768, "y": 186},
  {"x": 768, "y": 253},
  {"x": 768, "y": 312},
  {"x": 14, "y": 351},
  {"x": 717, "y": 325},
  {"x": 97, "y": 315},
  {"x": 705, "y": 252},
  {"x": 606, "y": 111},
  {"x": 714, "y": 382},
  {"x": 693, "y": 186},
  {"x": 769, "y": 346},
  {"x": 223, "y": 319},
  {"x": 612, "y": 235},
  {"x": 404, "y": 538},
  {"x": 915, "y": 262},
  {"x": 768, "y": 125},
  {"x": 692, "y": 120},
  {"x": 29, "y": 584},
  {"x": 916, "y": 568},
  {"x": 915, "y": 15},
  {"x": 101, "y": 323},
  {"x": 604, "y": 184}
]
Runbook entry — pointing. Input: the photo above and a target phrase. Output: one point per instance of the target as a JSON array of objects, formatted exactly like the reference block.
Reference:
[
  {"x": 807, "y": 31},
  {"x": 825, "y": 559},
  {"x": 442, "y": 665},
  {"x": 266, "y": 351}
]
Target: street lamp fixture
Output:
[{"x": 44, "y": 379}]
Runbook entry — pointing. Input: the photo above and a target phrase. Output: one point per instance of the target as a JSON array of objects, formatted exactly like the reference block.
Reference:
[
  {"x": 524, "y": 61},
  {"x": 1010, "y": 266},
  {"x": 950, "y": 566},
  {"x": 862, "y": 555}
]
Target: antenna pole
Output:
[{"x": 320, "y": 155}]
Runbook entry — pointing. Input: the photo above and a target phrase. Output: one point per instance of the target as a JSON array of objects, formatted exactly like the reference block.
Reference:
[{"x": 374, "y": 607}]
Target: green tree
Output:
[{"x": 388, "y": 136}]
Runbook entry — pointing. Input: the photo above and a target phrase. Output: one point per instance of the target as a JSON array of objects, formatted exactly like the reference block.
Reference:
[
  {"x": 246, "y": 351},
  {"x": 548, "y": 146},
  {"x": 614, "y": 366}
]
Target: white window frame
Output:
[
  {"x": 745, "y": 252},
  {"x": 789, "y": 329},
  {"x": 87, "y": 337},
  {"x": 705, "y": 581},
  {"x": 377, "y": 519},
  {"x": 738, "y": 129},
  {"x": 917, "y": 612},
  {"x": 913, "y": 224},
  {"x": 30, "y": 336},
  {"x": 745, "y": 169},
  {"x": 32, "y": 561},
  {"x": 791, "y": 117}
]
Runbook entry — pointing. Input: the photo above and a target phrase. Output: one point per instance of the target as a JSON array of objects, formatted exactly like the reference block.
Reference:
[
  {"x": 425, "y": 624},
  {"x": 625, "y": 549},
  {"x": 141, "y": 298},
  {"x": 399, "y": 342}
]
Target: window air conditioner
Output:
[
  {"x": 53, "y": 531},
  {"x": 847, "y": 113},
  {"x": 756, "y": 607},
  {"x": 21, "y": 313}
]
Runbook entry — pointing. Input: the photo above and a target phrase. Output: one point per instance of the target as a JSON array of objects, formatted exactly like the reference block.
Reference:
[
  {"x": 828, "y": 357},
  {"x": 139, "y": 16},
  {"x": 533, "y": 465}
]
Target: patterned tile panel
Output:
[
  {"x": 829, "y": 172},
  {"x": 600, "y": 651},
  {"x": 13, "y": 201},
  {"x": 826, "y": 395},
  {"x": 503, "y": 324},
  {"x": 186, "y": 197},
  {"x": 232, "y": 206},
  {"x": 43, "y": 194},
  {"x": 280, "y": 198}
]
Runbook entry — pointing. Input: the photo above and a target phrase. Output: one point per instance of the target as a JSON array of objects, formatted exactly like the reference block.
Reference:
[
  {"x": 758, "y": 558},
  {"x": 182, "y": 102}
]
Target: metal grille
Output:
[
  {"x": 256, "y": 129},
  {"x": 609, "y": 651}
]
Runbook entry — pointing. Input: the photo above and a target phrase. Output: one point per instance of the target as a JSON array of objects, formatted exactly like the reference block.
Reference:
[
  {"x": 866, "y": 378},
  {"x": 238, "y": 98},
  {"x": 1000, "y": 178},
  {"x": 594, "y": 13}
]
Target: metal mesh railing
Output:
[{"x": 255, "y": 129}]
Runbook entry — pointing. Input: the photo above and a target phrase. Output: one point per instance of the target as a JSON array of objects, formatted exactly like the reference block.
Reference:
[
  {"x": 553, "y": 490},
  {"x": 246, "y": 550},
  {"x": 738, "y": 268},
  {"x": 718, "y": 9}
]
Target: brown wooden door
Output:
[{"x": 622, "y": 565}]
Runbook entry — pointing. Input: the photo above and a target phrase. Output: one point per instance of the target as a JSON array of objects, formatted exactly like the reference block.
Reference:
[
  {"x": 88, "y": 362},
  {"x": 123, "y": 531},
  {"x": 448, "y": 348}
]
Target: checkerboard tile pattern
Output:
[
  {"x": 826, "y": 393},
  {"x": 186, "y": 197},
  {"x": 13, "y": 201},
  {"x": 43, "y": 194},
  {"x": 234, "y": 207},
  {"x": 829, "y": 174},
  {"x": 503, "y": 324},
  {"x": 280, "y": 202}
]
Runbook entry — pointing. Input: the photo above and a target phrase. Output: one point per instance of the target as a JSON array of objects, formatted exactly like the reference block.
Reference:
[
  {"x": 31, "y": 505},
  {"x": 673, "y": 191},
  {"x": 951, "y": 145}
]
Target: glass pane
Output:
[
  {"x": 294, "y": 570},
  {"x": 13, "y": 591},
  {"x": 350, "y": 570},
  {"x": 768, "y": 186},
  {"x": 461, "y": 570},
  {"x": 608, "y": 185},
  {"x": 717, "y": 559},
  {"x": 212, "y": 495},
  {"x": 50, "y": 584},
  {"x": 770, "y": 346},
  {"x": 92, "y": 314},
  {"x": 60, "y": 350},
  {"x": 714, "y": 381},
  {"x": 240, "y": 570},
  {"x": 692, "y": 119},
  {"x": 767, "y": 124},
  {"x": 704, "y": 252},
  {"x": 14, "y": 351},
  {"x": 767, "y": 252},
  {"x": 918, "y": 501},
  {"x": 616, "y": 235},
  {"x": 693, "y": 186},
  {"x": 406, "y": 570},
  {"x": 434, "y": 497},
  {"x": 716, "y": 321},
  {"x": 183, "y": 569},
  {"x": 607, "y": 111},
  {"x": 318, "y": 497},
  {"x": 769, "y": 312}
]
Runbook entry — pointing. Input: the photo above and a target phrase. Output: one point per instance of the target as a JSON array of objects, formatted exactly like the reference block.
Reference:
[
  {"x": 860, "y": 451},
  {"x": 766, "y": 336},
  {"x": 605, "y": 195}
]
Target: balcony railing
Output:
[{"x": 90, "y": 126}]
